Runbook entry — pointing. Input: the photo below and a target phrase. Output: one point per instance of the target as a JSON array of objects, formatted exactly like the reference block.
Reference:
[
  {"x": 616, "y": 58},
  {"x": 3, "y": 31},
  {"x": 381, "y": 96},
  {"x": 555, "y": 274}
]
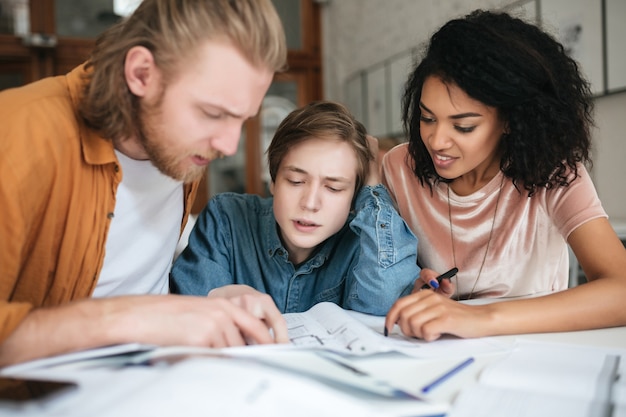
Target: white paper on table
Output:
[
  {"x": 239, "y": 387},
  {"x": 328, "y": 326},
  {"x": 544, "y": 379},
  {"x": 79, "y": 356}
]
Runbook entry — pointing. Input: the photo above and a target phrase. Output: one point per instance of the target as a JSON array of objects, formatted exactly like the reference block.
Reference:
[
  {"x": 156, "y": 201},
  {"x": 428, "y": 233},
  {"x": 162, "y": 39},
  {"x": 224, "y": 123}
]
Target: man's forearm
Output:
[{"x": 57, "y": 330}]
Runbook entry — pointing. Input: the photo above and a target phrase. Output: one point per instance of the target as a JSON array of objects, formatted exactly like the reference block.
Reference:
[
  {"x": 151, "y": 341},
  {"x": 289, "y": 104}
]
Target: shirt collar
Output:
[
  {"x": 275, "y": 246},
  {"x": 270, "y": 230},
  {"x": 96, "y": 149}
]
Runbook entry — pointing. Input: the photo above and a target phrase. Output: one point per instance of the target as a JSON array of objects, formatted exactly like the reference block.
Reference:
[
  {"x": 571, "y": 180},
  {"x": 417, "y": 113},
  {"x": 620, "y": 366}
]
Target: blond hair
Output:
[{"x": 173, "y": 30}]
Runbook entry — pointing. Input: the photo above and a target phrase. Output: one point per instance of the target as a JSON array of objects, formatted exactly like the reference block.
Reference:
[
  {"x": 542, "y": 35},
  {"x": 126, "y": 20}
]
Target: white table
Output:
[{"x": 240, "y": 387}]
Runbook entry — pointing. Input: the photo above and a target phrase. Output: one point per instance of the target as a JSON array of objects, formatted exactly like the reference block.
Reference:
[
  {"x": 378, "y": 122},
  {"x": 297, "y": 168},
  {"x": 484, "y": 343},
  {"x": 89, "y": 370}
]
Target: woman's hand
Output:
[
  {"x": 428, "y": 277},
  {"x": 428, "y": 315}
]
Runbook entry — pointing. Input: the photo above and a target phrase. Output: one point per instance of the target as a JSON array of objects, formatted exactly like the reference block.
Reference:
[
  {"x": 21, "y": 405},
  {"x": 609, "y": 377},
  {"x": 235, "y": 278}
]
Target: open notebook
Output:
[{"x": 546, "y": 379}]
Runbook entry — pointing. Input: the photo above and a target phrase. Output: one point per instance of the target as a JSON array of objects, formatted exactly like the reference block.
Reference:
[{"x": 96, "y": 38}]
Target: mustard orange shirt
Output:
[
  {"x": 58, "y": 181},
  {"x": 527, "y": 253}
]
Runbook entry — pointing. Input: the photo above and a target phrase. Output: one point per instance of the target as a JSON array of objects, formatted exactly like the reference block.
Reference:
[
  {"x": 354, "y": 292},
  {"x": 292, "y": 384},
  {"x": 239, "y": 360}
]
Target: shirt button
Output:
[
  {"x": 117, "y": 168},
  {"x": 375, "y": 193},
  {"x": 383, "y": 226},
  {"x": 110, "y": 215},
  {"x": 280, "y": 252}
]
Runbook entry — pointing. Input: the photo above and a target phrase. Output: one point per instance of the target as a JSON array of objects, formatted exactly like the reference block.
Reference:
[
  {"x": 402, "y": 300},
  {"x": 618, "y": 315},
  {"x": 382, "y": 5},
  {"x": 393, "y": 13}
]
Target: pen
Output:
[
  {"x": 447, "y": 375},
  {"x": 446, "y": 275}
]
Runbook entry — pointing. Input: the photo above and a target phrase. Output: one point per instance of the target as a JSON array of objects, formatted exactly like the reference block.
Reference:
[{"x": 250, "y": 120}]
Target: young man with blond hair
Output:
[{"x": 99, "y": 169}]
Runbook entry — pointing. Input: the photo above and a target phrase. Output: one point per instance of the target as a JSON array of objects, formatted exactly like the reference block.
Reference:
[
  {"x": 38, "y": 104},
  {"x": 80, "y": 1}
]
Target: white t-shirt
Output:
[{"x": 144, "y": 232}]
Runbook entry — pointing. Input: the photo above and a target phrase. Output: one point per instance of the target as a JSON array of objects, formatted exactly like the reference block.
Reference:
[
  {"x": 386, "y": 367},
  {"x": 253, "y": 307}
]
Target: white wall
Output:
[
  {"x": 358, "y": 34},
  {"x": 609, "y": 169}
]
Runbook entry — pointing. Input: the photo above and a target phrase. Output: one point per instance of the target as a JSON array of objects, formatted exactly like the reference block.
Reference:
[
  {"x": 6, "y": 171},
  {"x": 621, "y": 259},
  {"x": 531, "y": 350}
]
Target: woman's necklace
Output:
[{"x": 493, "y": 222}]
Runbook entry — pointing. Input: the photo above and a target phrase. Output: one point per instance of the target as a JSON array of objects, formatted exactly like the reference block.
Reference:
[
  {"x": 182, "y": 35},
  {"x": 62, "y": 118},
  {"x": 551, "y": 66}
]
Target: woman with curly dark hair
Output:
[{"x": 493, "y": 181}]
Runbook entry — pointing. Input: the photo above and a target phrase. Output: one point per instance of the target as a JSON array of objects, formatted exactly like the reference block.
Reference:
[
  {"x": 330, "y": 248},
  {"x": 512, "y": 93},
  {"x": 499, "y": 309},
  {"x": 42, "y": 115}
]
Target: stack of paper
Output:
[{"x": 541, "y": 379}]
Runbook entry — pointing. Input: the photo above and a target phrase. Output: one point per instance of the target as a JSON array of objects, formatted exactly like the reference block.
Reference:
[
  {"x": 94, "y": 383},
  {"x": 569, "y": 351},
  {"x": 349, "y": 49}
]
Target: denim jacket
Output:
[{"x": 365, "y": 266}]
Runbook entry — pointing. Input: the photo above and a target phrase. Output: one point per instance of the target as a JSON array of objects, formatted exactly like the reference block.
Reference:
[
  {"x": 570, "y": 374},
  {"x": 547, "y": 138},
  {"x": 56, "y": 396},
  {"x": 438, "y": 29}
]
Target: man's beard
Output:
[{"x": 166, "y": 159}]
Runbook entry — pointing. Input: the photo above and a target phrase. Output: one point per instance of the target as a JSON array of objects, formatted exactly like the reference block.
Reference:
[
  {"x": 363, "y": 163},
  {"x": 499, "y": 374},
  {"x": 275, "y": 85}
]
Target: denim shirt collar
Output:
[{"x": 274, "y": 245}]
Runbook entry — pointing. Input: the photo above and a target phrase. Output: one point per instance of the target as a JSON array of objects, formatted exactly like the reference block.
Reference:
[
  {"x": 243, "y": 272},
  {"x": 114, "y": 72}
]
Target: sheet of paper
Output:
[
  {"x": 201, "y": 386},
  {"x": 619, "y": 390},
  {"x": 557, "y": 369},
  {"x": 544, "y": 379},
  {"x": 328, "y": 326},
  {"x": 480, "y": 400},
  {"x": 80, "y": 356}
]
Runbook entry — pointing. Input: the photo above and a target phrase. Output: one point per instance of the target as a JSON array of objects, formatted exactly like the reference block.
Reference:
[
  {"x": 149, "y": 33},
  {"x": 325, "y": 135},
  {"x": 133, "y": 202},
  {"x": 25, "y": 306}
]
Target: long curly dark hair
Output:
[{"x": 527, "y": 76}]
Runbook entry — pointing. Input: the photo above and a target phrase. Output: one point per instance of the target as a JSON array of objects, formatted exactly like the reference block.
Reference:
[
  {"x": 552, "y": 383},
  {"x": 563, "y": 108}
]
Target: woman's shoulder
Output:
[
  {"x": 396, "y": 159},
  {"x": 400, "y": 151}
]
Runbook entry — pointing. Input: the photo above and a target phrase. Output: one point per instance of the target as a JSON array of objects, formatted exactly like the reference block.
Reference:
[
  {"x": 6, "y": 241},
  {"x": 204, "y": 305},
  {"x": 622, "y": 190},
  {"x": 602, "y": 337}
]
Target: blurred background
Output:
[{"x": 358, "y": 52}]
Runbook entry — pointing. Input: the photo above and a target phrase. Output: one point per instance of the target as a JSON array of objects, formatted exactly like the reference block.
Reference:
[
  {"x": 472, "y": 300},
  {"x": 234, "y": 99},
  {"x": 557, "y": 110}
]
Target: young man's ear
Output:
[{"x": 140, "y": 71}]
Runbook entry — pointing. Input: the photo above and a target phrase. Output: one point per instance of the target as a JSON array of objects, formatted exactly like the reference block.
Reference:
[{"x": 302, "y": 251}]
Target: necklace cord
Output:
[{"x": 482, "y": 264}]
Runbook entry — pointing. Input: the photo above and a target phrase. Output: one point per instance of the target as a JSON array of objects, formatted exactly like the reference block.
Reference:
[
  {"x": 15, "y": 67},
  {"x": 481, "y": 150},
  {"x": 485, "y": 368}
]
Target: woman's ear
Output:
[
  {"x": 272, "y": 187},
  {"x": 140, "y": 71}
]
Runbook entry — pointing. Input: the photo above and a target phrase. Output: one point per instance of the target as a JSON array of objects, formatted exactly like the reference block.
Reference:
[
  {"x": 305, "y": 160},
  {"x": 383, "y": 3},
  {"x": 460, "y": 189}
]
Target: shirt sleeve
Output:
[
  {"x": 13, "y": 231},
  {"x": 574, "y": 205},
  {"x": 205, "y": 262},
  {"x": 11, "y": 315},
  {"x": 386, "y": 266}
]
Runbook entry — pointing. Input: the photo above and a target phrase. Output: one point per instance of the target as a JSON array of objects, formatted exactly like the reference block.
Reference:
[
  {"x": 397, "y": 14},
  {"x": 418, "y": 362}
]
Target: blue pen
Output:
[{"x": 447, "y": 375}]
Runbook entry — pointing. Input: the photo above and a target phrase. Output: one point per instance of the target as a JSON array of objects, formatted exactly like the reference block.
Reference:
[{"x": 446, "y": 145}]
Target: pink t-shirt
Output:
[{"x": 528, "y": 250}]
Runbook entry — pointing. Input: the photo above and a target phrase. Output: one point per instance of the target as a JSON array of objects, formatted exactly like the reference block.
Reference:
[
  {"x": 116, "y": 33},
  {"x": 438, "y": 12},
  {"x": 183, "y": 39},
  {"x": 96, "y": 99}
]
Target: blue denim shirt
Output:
[{"x": 365, "y": 266}]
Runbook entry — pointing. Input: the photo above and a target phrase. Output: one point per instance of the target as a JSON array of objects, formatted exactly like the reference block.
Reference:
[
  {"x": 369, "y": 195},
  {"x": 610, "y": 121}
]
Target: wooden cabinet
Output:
[{"x": 33, "y": 50}]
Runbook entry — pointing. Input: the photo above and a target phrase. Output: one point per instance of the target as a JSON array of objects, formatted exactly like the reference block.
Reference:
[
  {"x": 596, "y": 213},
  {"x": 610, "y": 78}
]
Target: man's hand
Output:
[
  {"x": 256, "y": 303},
  {"x": 162, "y": 320}
]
